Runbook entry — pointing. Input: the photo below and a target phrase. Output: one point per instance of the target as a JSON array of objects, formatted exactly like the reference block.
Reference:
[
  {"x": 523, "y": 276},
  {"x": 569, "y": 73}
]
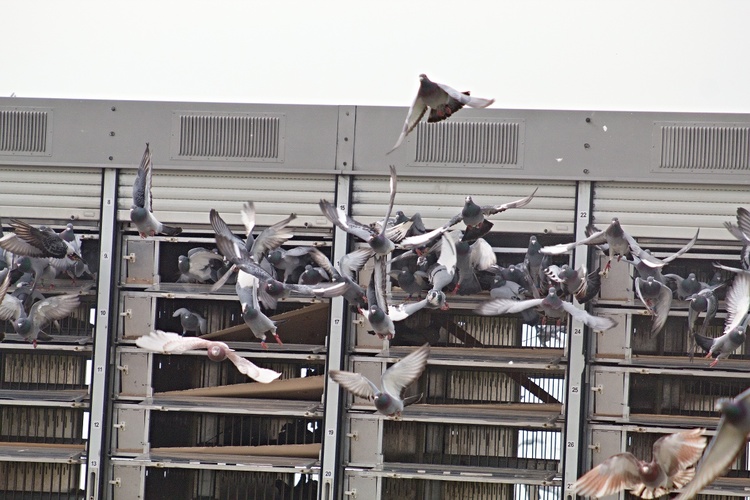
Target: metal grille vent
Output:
[
  {"x": 705, "y": 147},
  {"x": 228, "y": 137},
  {"x": 23, "y": 131},
  {"x": 495, "y": 143}
]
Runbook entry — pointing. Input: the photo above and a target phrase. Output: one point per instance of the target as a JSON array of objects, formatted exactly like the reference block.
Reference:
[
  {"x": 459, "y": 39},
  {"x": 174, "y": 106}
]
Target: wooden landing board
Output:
[
  {"x": 275, "y": 450},
  {"x": 308, "y": 325},
  {"x": 306, "y": 389}
]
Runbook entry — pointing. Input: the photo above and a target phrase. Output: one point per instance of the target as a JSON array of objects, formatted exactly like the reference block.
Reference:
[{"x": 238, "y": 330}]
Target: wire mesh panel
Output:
[
  {"x": 419, "y": 489},
  {"x": 34, "y": 424},
  {"x": 469, "y": 445},
  {"x": 680, "y": 395},
  {"x": 40, "y": 481},
  {"x": 169, "y": 484},
  {"x": 42, "y": 370}
]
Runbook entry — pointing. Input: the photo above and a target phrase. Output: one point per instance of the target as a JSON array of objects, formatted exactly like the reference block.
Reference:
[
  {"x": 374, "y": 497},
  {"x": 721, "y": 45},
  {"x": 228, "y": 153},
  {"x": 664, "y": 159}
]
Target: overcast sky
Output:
[{"x": 604, "y": 55}]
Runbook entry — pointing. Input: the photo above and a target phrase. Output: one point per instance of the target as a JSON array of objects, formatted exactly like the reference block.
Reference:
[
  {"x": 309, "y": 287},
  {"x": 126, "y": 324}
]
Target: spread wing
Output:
[
  {"x": 171, "y": 343},
  {"x": 271, "y": 238},
  {"x": 618, "y": 472},
  {"x": 496, "y": 209},
  {"x": 678, "y": 451},
  {"x": 356, "y": 383},
  {"x": 246, "y": 367},
  {"x": 465, "y": 99},
  {"x": 416, "y": 112},
  {"x": 496, "y": 307},
  {"x": 344, "y": 222},
  {"x": 738, "y": 301},
  {"x": 142, "y": 184},
  {"x": 406, "y": 371}
]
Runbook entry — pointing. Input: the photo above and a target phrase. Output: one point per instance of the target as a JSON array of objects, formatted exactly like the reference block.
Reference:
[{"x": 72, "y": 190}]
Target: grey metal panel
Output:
[
  {"x": 137, "y": 316},
  {"x": 660, "y": 210},
  {"x": 129, "y": 435},
  {"x": 551, "y": 211},
  {"x": 135, "y": 380},
  {"x": 364, "y": 445},
  {"x": 565, "y": 145},
  {"x": 139, "y": 258},
  {"x": 96, "y": 133},
  {"x": 50, "y": 192},
  {"x": 609, "y": 393},
  {"x": 186, "y": 197},
  {"x": 128, "y": 481}
]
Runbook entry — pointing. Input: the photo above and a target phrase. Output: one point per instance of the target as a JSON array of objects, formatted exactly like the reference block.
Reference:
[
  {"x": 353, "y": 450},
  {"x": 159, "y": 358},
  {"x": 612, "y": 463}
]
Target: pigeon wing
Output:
[
  {"x": 246, "y": 367},
  {"x": 678, "y": 451},
  {"x": 618, "y": 472},
  {"x": 344, "y": 222},
  {"x": 356, "y": 383},
  {"x": 416, "y": 112},
  {"x": 465, "y": 98},
  {"x": 496, "y": 307},
  {"x": 738, "y": 301},
  {"x": 496, "y": 209},
  {"x": 406, "y": 371},
  {"x": 271, "y": 238}
]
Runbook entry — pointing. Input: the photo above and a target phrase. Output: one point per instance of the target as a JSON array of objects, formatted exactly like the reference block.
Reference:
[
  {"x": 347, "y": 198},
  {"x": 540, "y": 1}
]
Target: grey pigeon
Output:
[
  {"x": 743, "y": 220},
  {"x": 670, "y": 468},
  {"x": 473, "y": 216},
  {"x": 141, "y": 211},
  {"x": 551, "y": 305},
  {"x": 37, "y": 242},
  {"x": 172, "y": 343},
  {"x": 442, "y": 101},
  {"x": 738, "y": 305},
  {"x": 191, "y": 321},
  {"x": 376, "y": 313},
  {"x": 728, "y": 442},
  {"x": 312, "y": 275},
  {"x": 533, "y": 260},
  {"x": 200, "y": 265},
  {"x": 389, "y": 399},
  {"x": 410, "y": 282},
  {"x": 252, "y": 315},
  {"x": 291, "y": 261},
  {"x": 576, "y": 282},
  {"x": 657, "y": 297},
  {"x": 685, "y": 287},
  {"x": 41, "y": 314},
  {"x": 619, "y": 244},
  {"x": 380, "y": 240},
  {"x": 344, "y": 274},
  {"x": 705, "y": 301},
  {"x": 442, "y": 274}
]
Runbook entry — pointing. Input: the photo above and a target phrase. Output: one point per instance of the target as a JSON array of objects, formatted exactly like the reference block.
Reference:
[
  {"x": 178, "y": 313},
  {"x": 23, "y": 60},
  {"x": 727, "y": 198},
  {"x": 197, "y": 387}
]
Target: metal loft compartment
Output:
[{"x": 507, "y": 412}]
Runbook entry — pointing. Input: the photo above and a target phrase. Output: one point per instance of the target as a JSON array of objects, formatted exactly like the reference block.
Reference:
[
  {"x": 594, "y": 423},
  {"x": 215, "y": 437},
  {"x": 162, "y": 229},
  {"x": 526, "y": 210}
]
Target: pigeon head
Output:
[
  {"x": 436, "y": 298},
  {"x": 383, "y": 401},
  {"x": 183, "y": 264},
  {"x": 463, "y": 248},
  {"x": 650, "y": 472},
  {"x": 249, "y": 313},
  {"x": 23, "y": 264},
  {"x": 138, "y": 214},
  {"x": 732, "y": 410},
  {"x": 381, "y": 244},
  {"x": 217, "y": 352},
  {"x": 22, "y": 326},
  {"x": 274, "y": 288},
  {"x": 376, "y": 314},
  {"x": 737, "y": 336},
  {"x": 275, "y": 257}
]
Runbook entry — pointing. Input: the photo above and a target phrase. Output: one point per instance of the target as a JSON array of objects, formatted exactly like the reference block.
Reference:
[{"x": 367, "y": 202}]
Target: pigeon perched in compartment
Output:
[
  {"x": 172, "y": 343},
  {"x": 670, "y": 468},
  {"x": 577, "y": 282},
  {"x": 442, "y": 101},
  {"x": 200, "y": 265},
  {"x": 141, "y": 211},
  {"x": 388, "y": 399},
  {"x": 191, "y": 322},
  {"x": 551, "y": 306},
  {"x": 728, "y": 442}
]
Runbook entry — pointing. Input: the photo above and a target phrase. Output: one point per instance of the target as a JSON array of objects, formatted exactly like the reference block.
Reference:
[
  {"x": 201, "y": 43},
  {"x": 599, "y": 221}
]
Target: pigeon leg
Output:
[
  {"x": 605, "y": 271},
  {"x": 278, "y": 340},
  {"x": 263, "y": 344},
  {"x": 714, "y": 363}
]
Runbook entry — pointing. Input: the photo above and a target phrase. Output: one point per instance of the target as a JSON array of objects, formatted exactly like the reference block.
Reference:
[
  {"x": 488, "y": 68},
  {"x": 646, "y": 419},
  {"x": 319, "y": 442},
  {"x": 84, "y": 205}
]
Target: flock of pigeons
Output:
[{"x": 435, "y": 263}]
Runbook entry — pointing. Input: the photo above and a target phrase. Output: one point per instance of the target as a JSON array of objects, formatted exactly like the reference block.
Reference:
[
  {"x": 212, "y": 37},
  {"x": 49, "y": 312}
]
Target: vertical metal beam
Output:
[
  {"x": 101, "y": 366},
  {"x": 574, "y": 410},
  {"x": 330, "y": 473}
]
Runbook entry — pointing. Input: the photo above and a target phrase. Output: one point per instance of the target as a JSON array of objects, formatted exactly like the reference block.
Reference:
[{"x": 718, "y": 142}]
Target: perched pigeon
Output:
[
  {"x": 551, "y": 305},
  {"x": 191, "y": 322},
  {"x": 398, "y": 377},
  {"x": 576, "y": 282},
  {"x": 670, "y": 468},
  {"x": 172, "y": 343},
  {"x": 442, "y": 100},
  {"x": 200, "y": 265},
  {"x": 141, "y": 213},
  {"x": 728, "y": 442},
  {"x": 30, "y": 325}
]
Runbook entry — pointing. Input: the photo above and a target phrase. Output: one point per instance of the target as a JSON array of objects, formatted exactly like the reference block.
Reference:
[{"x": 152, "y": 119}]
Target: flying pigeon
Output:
[
  {"x": 728, "y": 442},
  {"x": 670, "y": 468},
  {"x": 30, "y": 326},
  {"x": 551, "y": 305},
  {"x": 37, "y": 242},
  {"x": 141, "y": 211},
  {"x": 200, "y": 265},
  {"x": 473, "y": 216},
  {"x": 377, "y": 311},
  {"x": 657, "y": 297},
  {"x": 172, "y": 343},
  {"x": 575, "y": 282},
  {"x": 738, "y": 317},
  {"x": 398, "y": 377},
  {"x": 190, "y": 321},
  {"x": 442, "y": 100},
  {"x": 259, "y": 323}
]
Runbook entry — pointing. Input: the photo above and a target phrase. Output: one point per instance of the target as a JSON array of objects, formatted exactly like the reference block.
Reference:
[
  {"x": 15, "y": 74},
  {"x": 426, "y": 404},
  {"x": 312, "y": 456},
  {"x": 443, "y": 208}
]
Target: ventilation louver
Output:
[
  {"x": 704, "y": 147},
  {"x": 470, "y": 142},
  {"x": 24, "y": 131},
  {"x": 236, "y": 136}
]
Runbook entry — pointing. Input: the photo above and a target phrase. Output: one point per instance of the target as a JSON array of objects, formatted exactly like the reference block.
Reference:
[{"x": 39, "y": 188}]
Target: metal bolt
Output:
[
  {"x": 345, "y": 163},
  {"x": 585, "y": 170},
  {"x": 114, "y": 108},
  {"x": 587, "y": 145},
  {"x": 346, "y": 139},
  {"x": 112, "y": 133},
  {"x": 588, "y": 120},
  {"x": 111, "y": 158}
]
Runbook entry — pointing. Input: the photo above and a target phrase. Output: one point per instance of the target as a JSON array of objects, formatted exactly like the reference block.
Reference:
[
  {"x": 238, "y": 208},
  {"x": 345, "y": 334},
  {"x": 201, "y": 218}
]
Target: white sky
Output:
[{"x": 639, "y": 55}]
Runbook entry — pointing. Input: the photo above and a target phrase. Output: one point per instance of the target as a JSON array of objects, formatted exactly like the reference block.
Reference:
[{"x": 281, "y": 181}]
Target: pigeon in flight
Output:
[
  {"x": 172, "y": 343},
  {"x": 259, "y": 323},
  {"x": 657, "y": 297},
  {"x": 388, "y": 400},
  {"x": 728, "y": 442},
  {"x": 30, "y": 326},
  {"x": 670, "y": 468},
  {"x": 442, "y": 100},
  {"x": 200, "y": 265},
  {"x": 141, "y": 211},
  {"x": 31, "y": 241},
  {"x": 551, "y": 305}
]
